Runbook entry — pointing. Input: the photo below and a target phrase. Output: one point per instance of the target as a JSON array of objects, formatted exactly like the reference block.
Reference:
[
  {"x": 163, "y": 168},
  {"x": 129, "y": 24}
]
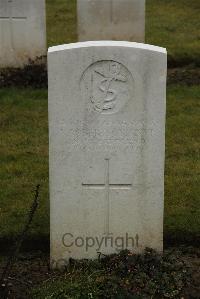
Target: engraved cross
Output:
[
  {"x": 11, "y": 18},
  {"x": 106, "y": 186},
  {"x": 111, "y": 11}
]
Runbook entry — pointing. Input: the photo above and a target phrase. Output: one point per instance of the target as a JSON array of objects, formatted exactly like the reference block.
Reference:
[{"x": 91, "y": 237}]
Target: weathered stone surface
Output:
[
  {"x": 22, "y": 32},
  {"x": 111, "y": 20},
  {"x": 107, "y": 133}
]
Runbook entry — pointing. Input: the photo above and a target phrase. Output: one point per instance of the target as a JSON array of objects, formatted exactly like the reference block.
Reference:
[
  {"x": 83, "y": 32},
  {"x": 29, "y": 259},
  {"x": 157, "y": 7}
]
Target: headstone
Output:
[
  {"x": 107, "y": 145},
  {"x": 111, "y": 20},
  {"x": 22, "y": 32}
]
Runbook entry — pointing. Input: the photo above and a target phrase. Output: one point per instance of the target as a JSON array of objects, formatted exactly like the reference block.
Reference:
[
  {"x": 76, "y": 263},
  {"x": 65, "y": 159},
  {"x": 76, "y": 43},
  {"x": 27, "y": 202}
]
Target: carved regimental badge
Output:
[{"x": 107, "y": 86}]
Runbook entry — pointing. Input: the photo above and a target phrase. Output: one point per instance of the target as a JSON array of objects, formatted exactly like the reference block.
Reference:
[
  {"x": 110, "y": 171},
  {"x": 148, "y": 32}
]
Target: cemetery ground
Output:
[{"x": 24, "y": 164}]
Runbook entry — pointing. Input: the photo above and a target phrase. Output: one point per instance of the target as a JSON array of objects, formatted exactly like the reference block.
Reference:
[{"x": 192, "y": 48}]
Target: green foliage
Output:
[{"x": 125, "y": 275}]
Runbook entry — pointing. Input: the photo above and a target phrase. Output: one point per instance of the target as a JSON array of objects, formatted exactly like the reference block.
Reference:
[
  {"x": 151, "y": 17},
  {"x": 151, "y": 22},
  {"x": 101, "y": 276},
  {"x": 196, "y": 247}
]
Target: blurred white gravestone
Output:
[
  {"x": 111, "y": 20},
  {"x": 22, "y": 32},
  {"x": 107, "y": 133}
]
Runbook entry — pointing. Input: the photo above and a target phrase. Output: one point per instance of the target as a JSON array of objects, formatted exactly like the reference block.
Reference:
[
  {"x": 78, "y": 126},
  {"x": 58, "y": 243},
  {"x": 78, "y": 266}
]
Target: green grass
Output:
[
  {"x": 61, "y": 22},
  {"x": 24, "y": 160},
  {"x": 169, "y": 23},
  {"x": 175, "y": 25},
  {"x": 182, "y": 172}
]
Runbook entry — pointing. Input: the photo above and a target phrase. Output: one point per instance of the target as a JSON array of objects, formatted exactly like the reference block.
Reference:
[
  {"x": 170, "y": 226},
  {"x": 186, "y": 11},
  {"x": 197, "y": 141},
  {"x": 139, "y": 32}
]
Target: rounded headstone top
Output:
[{"x": 107, "y": 43}]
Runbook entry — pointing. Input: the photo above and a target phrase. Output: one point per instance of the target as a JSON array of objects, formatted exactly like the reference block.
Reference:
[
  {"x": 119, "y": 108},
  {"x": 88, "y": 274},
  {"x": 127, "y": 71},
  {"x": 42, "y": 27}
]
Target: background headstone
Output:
[
  {"x": 22, "y": 32},
  {"x": 107, "y": 133},
  {"x": 111, "y": 20}
]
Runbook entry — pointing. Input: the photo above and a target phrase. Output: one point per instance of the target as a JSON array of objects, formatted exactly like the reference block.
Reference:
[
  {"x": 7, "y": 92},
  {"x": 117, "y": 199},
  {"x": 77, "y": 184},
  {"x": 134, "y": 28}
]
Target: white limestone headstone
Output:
[
  {"x": 111, "y": 20},
  {"x": 22, "y": 32},
  {"x": 107, "y": 145}
]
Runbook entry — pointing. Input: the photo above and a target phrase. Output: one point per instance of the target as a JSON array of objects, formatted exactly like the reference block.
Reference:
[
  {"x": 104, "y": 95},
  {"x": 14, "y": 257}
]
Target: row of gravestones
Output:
[
  {"x": 23, "y": 26},
  {"x": 106, "y": 134}
]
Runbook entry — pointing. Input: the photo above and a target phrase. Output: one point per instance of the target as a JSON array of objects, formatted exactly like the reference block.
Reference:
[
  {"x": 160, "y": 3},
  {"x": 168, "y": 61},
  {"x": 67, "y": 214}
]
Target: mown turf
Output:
[
  {"x": 23, "y": 158},
  {"x": 182, "y": 171},
  {"x": 171, "y": 24},
  {"x": 61, "y": 22},
  {"x": 24, "y": 161},
  {"x": 176, "y": 26}
]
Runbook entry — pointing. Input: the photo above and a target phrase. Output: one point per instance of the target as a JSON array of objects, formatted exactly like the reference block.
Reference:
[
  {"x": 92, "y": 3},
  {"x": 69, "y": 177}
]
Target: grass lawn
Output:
[
  {"x": 169, "y": 23},
  {"x": 24, "y": 161},
  {"x": 24, "y": 158}
]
